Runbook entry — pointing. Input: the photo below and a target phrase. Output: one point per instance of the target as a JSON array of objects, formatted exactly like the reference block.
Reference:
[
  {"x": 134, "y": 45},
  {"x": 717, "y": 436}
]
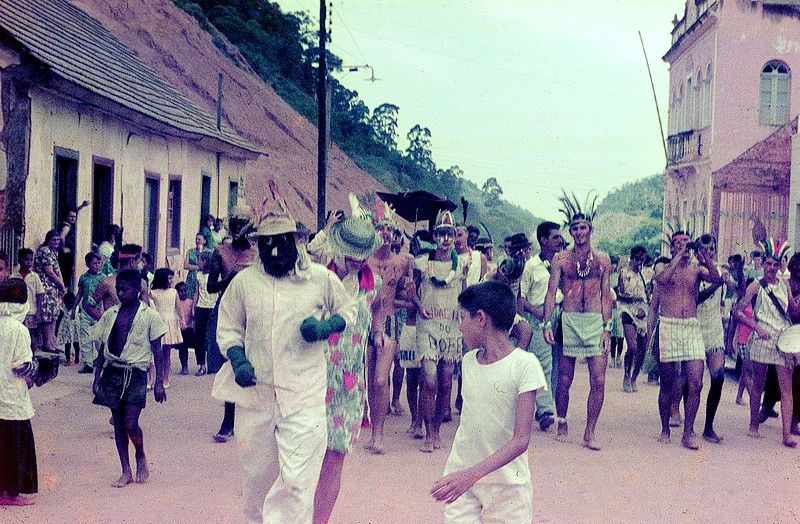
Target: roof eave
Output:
[{"x": 68, "y": 89}]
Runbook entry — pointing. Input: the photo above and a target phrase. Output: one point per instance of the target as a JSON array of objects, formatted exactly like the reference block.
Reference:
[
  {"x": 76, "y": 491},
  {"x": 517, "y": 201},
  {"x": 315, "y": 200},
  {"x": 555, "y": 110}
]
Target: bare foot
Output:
[
  {"x": 142, "y": 471},
  {"x": 376, "y": 445},
  {"x": 712, "y": 437},
  {"x": 591, "y": 443},
  {"x": 124, "y": 479},
  {"x": 675, "y": 420},
  {"x": 740, "y": 401},
  {"x": 789, "y": 442},
  {"x": 753, "y": 432},
  {"x": 437, "y": 442},
  {"x": 563, "y": 430},
  {"x": 690, "y": 442},
  {"x": 427, "y": 446},
  {"x": 664, "y": 437},
  {"x": 397, "y": 409},
  {"x": 416, "y": 432}
]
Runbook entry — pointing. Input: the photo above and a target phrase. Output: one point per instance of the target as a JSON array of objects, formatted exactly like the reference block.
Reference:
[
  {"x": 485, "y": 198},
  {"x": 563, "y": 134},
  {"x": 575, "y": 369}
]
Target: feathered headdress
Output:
[
  {"x": 274, "y": 217},
  {"x": 356, "y": 210},
  {"x": 776, "y": 249},
  {"x": 574, "y": 211},
  {"x": 384, "y": 214},
  {"x": 444, "y": 220},
  {"x": 680, "y": 227}
]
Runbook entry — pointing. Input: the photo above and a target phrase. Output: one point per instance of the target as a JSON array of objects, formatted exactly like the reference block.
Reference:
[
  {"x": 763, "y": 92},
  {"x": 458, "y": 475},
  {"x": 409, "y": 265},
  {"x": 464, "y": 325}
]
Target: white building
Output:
[{"x": 82, "y": 118}]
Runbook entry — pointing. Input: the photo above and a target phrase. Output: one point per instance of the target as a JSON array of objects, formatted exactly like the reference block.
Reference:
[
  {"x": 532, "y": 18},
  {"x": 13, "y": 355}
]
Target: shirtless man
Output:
[
  {"x": 392, "y": 268},
  {"x": 105, "y": 296},
  {"x": 680, "y": 341},
  {"x": 583, "y": 275}
]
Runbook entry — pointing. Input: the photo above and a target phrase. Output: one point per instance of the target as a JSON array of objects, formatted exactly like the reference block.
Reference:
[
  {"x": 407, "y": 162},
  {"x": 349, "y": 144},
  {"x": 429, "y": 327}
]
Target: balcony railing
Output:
[{"x": 684, "y": 146}]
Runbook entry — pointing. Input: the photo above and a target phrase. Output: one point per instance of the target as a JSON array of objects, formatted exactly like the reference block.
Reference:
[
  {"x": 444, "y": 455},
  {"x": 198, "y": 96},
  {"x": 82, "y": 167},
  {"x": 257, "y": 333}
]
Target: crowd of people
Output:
[{"x": 311, "y": 336}]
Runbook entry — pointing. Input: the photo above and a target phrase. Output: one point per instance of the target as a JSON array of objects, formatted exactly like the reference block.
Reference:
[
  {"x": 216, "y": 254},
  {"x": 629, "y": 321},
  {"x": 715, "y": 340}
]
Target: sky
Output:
[{"x": 540, "y": 94}]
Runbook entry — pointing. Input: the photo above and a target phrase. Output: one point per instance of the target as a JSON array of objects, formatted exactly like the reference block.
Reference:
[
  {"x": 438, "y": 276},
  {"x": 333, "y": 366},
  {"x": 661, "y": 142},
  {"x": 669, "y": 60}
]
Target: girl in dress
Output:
[
  {"x": 165, "y": 300},
  {"x": 18, "y": 477}
]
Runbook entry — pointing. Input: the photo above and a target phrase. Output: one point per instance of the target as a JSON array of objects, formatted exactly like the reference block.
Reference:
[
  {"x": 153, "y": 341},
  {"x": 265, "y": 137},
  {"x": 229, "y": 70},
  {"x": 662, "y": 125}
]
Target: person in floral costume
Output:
[{"x": 352, "y": 241}]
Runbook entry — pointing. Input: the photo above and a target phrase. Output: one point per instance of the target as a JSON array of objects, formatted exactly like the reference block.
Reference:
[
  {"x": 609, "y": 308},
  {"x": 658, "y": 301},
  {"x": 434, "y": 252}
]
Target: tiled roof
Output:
[{"x": 79, "y": 49}]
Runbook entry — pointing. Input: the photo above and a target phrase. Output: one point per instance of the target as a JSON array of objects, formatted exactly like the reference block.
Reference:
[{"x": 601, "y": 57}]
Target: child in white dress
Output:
[{"x": 165, "y": 301}]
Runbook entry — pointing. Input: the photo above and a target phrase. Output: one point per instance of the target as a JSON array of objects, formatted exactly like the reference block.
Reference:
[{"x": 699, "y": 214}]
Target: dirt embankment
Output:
[{"x": 175, "y": 46}]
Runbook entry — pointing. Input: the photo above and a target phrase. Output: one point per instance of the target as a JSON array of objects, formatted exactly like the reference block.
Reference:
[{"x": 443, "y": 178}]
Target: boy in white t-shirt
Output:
[{"x": 487, "y": 477}]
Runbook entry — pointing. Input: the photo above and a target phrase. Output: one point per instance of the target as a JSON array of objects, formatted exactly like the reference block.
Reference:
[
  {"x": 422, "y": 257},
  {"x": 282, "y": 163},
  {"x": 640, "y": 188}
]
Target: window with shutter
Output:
[{"x": 774, "y": 94}]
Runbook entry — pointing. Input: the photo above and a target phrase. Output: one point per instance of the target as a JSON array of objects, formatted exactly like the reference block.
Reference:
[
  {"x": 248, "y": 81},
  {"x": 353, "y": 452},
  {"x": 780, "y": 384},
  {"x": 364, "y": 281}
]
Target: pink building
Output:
[{"x": 732, "y": 109}]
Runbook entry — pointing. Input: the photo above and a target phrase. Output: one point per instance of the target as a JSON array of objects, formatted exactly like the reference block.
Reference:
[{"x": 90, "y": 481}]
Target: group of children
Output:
[{"x": 128, "y": 349}]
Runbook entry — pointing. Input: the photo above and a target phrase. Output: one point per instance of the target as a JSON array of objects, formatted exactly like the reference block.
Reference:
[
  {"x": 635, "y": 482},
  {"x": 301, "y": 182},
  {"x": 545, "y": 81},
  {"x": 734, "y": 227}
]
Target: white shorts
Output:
[{"x": 501, "y": 503}]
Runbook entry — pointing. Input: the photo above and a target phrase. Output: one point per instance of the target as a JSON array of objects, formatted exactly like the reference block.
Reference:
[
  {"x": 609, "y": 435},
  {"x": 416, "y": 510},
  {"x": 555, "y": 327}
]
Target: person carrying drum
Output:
[{"x": 773, "y": 298}]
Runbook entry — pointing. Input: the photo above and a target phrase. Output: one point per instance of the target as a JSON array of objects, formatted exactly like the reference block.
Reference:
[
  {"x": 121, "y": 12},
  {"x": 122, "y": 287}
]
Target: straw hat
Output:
[{"x": 354, "y": 238}]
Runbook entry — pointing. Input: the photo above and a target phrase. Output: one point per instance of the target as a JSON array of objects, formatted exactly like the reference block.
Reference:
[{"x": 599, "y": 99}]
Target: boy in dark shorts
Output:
[{"x": 131, "y": 334}]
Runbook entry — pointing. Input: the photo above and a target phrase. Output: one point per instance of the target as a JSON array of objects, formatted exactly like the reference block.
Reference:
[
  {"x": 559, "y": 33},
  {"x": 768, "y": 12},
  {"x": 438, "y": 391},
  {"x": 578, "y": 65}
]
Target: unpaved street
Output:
[{"x": 634, "y": 479}]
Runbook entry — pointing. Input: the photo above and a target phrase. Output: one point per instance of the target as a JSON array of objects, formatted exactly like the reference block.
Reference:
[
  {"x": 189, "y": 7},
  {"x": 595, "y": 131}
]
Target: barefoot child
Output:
[
  {"x": 186, "y": 318},
  {"x": 67, "y": 329},
  {"x": 131, "y": 334},
  {"x": 17, "y": 450},
  {"x": 165, "y": 300},
  {"x": 487, "y": 476}
]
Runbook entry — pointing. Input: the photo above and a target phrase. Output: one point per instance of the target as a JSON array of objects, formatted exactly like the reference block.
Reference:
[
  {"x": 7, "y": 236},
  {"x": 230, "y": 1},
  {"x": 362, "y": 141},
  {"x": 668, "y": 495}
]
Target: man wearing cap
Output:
[
  {"x": 533, "y": 290},
  {"x": 583, "y": 274},
  {"x": 273, "y": 322}
]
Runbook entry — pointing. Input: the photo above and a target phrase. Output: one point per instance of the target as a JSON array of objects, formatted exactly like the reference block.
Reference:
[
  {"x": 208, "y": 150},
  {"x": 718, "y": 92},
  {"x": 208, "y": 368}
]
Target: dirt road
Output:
[{"x": 634, "y": 478}]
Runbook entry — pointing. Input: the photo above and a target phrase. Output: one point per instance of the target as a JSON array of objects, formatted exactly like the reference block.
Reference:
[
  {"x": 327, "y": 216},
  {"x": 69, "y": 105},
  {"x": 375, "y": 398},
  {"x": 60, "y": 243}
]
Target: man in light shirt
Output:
[
  {"x": 273, "y": 320},
  {"x": 533, "y": 290}
]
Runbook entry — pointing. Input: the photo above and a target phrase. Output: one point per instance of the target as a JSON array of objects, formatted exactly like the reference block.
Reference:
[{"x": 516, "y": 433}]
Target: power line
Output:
[{"x": 350, "y": 33}]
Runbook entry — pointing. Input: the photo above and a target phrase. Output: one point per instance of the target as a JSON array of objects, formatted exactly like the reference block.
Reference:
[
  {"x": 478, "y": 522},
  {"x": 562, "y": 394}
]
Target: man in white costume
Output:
[{"x": 272, "y": 321}]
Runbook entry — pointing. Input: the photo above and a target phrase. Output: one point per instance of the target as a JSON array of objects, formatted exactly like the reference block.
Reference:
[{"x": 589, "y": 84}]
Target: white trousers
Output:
[
  {"x": 282, "y": 459},
  {"x": 496, "y": 503}
]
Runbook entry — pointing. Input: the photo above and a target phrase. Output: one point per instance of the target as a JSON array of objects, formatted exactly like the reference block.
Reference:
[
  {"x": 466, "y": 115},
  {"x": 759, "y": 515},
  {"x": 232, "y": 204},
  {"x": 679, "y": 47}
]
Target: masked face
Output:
[{"x": 278, "y": 253}]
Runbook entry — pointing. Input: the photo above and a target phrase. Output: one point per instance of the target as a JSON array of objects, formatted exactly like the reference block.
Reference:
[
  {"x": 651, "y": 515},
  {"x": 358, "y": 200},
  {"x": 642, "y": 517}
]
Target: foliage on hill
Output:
[
  {"x": 630, "y": 215},
  {"x": 281, "y": 48}
]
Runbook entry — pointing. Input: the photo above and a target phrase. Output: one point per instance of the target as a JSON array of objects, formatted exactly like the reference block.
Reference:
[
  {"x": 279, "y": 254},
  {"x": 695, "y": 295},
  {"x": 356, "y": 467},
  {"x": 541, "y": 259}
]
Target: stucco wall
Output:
[
  {"x": 56, "y": 122},
  {"x": 749, "y": 37}
]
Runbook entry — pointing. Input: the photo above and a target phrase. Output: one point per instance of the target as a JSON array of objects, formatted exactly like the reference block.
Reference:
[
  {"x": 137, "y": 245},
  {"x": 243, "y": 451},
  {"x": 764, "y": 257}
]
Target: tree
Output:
[
  {"x": 452, "y": 177},
  {"x": 419, "y": 147},
  {"x": 491, "y": 192},
  {"x": 384, "y": 125}
]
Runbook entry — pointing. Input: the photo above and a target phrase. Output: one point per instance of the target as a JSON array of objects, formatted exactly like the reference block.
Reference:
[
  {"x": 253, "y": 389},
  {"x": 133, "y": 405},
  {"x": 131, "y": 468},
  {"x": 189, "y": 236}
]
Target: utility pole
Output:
[{"x": 323, "y": 124}]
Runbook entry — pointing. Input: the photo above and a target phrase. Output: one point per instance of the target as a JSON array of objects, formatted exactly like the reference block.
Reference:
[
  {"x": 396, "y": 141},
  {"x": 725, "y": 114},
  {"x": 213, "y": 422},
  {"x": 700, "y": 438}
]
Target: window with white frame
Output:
[{"x": 774, "y": 94}]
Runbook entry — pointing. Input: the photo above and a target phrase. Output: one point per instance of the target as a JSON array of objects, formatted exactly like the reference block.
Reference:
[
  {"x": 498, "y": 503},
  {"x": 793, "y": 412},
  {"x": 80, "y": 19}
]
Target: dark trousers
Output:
[
  {"x": 201, "y": 316},
  {"x": 183, "y": 348}
]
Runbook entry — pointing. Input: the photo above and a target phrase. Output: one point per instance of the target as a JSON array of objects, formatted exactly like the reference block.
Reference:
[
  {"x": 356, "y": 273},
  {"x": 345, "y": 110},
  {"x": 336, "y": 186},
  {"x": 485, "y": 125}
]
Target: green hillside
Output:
[
  {"x": 630, "y": 215},
  {"x": 281, "y": 48}
]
